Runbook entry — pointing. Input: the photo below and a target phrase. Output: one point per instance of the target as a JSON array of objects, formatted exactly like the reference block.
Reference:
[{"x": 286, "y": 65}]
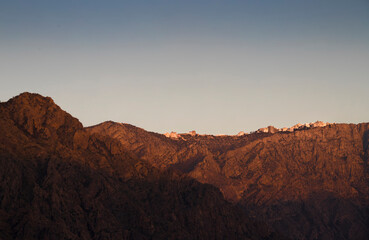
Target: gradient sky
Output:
[{"x": 216, "y": 67}]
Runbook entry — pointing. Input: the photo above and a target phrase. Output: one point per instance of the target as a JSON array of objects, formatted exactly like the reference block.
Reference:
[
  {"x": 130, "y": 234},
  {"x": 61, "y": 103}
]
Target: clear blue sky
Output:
[{"x": 217, "y": 67}]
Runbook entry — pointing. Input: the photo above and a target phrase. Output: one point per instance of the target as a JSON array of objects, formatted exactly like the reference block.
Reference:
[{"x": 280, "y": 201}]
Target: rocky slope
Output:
[
  {"x": 310, "y": 183},
  {"x": 59, "y": 181}
]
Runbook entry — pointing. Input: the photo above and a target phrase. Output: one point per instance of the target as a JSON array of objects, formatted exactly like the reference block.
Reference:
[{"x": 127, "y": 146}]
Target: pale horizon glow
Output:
[{"x": 211, "y": 66}]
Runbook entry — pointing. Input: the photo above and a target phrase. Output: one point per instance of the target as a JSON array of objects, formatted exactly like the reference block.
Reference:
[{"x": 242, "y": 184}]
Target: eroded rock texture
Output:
[
  {"x": 59, "y": 181},
  {"x": 309, "y": 184}
]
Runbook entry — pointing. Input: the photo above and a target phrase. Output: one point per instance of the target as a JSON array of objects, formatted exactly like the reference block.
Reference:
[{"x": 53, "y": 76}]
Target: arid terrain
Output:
[
  {"x": 311, "y": 183},
  {"x": 60, "y": 180}
]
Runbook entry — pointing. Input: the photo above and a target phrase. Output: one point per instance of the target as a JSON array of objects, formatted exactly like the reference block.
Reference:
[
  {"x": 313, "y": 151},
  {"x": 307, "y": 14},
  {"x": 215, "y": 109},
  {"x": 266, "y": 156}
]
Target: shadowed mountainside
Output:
[
  {"x": 309, "y": 184},
  {"x": 59, "y": 181}
]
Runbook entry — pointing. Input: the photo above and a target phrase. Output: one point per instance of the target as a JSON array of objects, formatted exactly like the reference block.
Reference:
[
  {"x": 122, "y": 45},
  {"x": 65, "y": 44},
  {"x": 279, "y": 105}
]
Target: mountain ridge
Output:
[
  {"x": 58, "y": 181},
  {"x": 274, "y": 175},
  {"x": 312, "y": 183}
]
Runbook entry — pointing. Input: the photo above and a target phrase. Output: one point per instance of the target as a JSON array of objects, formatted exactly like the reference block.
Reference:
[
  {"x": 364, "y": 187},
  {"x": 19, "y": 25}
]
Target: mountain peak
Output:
[
  {"x": 31, "y": 98},
  {"x": 39, "y": 116}
]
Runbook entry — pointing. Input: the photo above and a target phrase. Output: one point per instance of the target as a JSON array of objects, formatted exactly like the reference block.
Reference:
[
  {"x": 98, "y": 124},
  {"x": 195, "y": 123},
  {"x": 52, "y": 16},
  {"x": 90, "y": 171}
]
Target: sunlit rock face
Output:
[
  {"x": 319, "y": 124},
  {"x": 59, "y": 180},
  {"x": 193, "y": 133},
  {"x": 241, "y": 133},
  {"x": 173, "y": 135},
  {"x": 309, "y": 181},
  {"x": 269, "y": 129},
  {"x": 304, "y": 126}
]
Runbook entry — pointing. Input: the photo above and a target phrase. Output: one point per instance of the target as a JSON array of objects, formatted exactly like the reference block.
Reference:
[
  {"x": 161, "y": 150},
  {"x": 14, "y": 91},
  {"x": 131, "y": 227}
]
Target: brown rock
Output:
[
  {"x": 59, "y": 181},
  {"x": 291, "y": 180}
]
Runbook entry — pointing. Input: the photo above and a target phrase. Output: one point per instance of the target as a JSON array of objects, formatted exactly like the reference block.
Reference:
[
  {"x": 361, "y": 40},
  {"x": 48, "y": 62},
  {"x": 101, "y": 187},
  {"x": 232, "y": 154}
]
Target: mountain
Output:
[
  {"x": 308, "y": 182},
  {"x": 59, "y": 180}
]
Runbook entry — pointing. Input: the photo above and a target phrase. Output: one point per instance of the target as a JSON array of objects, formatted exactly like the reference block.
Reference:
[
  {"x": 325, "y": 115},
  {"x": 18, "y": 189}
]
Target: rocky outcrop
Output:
[
  {"x": 59, "y": 181},
  {"x": 172, "y": 135},
  {"x": 241, "y": 133},
  {"x": 299, "y": 126},
  {"x": 310, "y": 183},
  {"x": 192, "y": 133},
  {"x": 41, "y": 118},
  {"x": 269, "y": 129}
]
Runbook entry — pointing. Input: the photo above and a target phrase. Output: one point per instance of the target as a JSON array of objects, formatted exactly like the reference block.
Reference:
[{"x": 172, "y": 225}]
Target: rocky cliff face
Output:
[
  {"x": 117, "y": 181},
  {"x": 59, "y": 181},
  {"x": 312, "y": 183}
]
